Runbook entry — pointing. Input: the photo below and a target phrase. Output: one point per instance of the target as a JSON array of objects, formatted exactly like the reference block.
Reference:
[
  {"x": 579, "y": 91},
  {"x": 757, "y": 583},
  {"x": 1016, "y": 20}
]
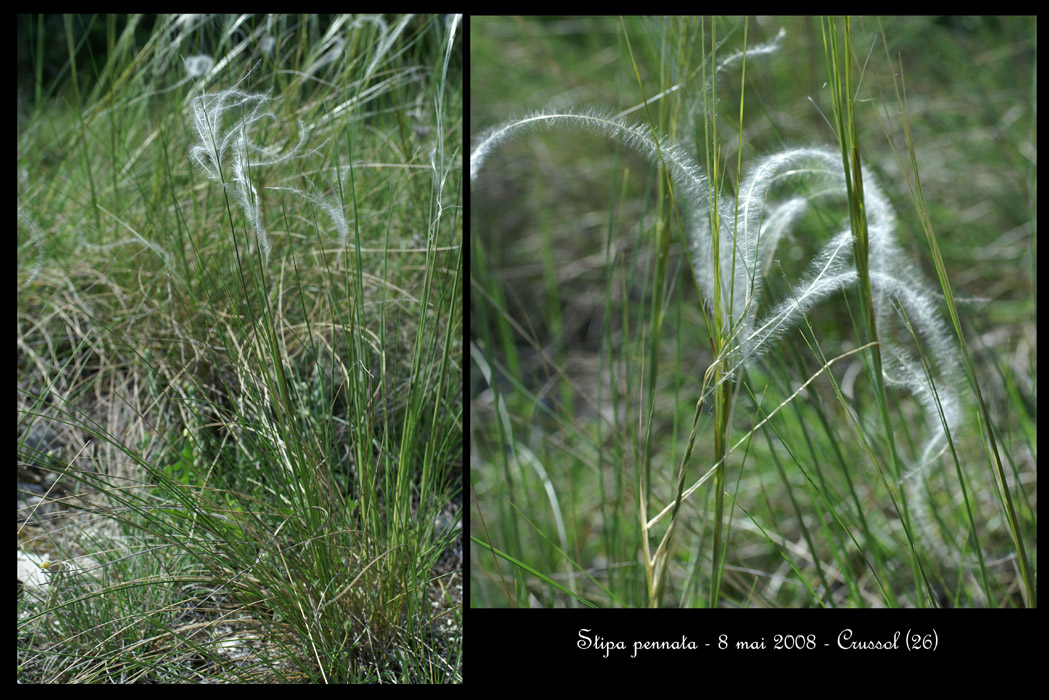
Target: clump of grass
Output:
[
  {"x": 736, "y": 229},
  {"x": 247, "y": 430}
]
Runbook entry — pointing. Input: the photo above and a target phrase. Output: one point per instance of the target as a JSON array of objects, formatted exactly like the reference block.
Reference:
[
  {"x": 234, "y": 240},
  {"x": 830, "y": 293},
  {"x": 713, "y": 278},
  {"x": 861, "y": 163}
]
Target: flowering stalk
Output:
[
  {"x": 213, "y": 144},
  {"x": 732, "y": 242}
]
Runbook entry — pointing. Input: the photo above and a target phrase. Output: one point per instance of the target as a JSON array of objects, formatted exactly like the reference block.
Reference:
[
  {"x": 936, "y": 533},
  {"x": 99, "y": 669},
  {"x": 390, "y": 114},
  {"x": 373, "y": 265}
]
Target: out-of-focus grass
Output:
[{"x": 545, "y": 302}]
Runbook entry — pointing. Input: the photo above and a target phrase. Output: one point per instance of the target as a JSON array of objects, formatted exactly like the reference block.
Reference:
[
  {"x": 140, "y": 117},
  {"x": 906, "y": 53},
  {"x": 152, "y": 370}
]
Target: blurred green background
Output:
[{"x": 971, "y": 94}]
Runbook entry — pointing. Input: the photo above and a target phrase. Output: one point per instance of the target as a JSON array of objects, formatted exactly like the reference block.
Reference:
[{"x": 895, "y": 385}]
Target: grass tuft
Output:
[{"x": 240, "y": 407}]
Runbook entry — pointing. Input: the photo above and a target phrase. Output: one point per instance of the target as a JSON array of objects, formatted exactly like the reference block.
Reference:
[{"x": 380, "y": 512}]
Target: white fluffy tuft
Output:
[
  {"x": 901, "y": 300},
  {"x": 215, "y": 145}
]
